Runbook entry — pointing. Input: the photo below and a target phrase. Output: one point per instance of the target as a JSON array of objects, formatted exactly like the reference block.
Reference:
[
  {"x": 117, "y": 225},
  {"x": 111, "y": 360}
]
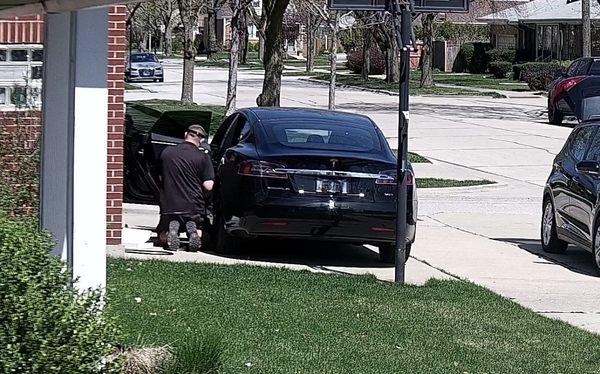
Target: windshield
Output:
[
  {"x": 144, "y": 57},
  {"x": 323, "y": 136}
]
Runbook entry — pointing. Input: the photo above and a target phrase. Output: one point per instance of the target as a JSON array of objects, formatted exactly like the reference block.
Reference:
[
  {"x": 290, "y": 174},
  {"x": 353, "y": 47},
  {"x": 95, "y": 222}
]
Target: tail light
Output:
[
  {"x": 262, "y": 169},
  {"x": 566, "y": 86},
  {"x": 388, "y": 177}
]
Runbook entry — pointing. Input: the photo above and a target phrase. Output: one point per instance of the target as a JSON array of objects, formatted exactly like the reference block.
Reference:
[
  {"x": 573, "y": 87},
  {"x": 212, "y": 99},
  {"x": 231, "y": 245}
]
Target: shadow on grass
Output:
[{"x": 575, "y": 259}]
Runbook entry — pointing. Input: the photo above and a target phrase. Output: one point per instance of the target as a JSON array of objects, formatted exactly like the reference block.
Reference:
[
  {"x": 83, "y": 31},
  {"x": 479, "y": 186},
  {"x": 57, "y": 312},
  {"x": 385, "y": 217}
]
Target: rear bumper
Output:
[{"x": 354, "y": 222}]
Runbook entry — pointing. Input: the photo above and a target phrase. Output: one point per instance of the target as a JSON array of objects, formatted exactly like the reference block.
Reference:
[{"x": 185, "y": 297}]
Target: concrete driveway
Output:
[{"x": 488, "y": 235}]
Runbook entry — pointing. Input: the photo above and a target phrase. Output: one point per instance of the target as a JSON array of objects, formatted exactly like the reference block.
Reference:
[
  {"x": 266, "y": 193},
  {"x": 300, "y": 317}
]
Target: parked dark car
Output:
[
  {"x": 566, "y": 92},
  {"x": 305, "y": 174},
  {"x": 571, "y": 204}
]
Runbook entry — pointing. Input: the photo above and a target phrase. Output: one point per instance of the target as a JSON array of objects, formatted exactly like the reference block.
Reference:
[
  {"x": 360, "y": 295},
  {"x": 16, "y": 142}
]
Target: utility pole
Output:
[{"x": 587, "y": 28}]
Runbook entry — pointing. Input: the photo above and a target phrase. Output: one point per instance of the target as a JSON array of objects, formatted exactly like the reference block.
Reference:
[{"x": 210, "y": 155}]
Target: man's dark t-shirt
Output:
[{"x": 184, "y": 169}]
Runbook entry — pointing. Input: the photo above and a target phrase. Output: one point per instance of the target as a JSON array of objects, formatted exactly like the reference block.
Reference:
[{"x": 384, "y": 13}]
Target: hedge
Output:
[
  {"x": 472, "y": 58},
  {"x": 501, "y": 55},
  {"x": 538, "y": 75},
  {"x": 500, "y": 69},
  {"x": 376, "y": 58}
]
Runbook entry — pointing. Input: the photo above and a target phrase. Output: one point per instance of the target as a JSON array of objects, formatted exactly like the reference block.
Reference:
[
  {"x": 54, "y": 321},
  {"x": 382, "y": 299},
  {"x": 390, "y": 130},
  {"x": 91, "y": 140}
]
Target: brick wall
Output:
[
  {"x": 117, "y": 30},
  {"x": 22, "y": 30},
  {"x": 116, "y": 113}
]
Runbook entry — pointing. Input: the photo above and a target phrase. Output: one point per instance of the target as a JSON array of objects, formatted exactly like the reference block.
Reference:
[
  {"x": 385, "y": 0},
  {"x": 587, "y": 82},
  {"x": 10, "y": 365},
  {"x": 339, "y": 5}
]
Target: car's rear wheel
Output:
[
  {"x": 224, "y": 242},
  {"x": 550, "y": 241},
  {"x": 597, "y": 247},
  {"x": 387, "y": 253},
  {"x": 555, "y": 117}
]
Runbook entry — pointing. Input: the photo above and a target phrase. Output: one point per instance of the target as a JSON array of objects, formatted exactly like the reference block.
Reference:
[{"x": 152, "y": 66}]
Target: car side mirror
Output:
[{"x": 588, "y": 167}]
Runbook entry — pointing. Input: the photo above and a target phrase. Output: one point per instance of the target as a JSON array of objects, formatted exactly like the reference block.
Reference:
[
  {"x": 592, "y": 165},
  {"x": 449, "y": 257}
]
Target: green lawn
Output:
[
  {"x": 380, "y": 84},
  {"x": 447, "y": 183},
  {"x": 218, "y": 111},
  {"x": 264, "y": 320},
  {"x": 474, "y": 80},
  {"x": 221, "y": 60}
]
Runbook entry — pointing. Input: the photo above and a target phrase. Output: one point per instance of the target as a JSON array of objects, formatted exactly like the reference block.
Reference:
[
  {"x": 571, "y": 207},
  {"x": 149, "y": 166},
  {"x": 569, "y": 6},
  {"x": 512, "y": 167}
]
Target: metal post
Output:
[{"x": 404, "y": 35}]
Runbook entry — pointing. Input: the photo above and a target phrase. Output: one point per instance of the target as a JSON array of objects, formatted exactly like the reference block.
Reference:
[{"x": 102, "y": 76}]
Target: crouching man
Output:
[{"x": 187, "y": 175}]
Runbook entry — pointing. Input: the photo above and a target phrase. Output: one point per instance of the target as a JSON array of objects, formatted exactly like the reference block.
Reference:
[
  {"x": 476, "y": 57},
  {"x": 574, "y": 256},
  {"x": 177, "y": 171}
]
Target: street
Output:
[{"x": 488, "y": 235}]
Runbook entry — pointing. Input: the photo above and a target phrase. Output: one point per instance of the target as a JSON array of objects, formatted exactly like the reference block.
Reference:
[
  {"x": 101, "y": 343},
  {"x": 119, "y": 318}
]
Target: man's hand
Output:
[{"x": 208, "y": 185}]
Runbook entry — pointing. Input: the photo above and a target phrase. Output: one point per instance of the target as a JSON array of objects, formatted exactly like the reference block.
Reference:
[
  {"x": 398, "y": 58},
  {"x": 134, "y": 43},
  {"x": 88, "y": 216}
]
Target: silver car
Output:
[{"x": 143, "y": 67}]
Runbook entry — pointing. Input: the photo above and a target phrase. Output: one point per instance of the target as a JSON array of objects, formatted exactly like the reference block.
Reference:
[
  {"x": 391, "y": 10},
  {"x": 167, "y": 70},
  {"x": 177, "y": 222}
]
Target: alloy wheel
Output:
[
  {"x": 597, "y": 248},
  {"x": 547, "y": 224}
]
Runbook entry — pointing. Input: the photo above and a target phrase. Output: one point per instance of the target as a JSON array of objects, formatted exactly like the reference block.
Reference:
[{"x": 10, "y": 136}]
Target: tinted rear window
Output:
[
  {"x": 324, "y": 135},
  {"x": 595, "y": 69}
]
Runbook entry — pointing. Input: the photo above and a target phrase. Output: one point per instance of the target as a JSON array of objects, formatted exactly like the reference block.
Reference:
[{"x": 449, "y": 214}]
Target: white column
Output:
[{"x": 74, "y": 154}]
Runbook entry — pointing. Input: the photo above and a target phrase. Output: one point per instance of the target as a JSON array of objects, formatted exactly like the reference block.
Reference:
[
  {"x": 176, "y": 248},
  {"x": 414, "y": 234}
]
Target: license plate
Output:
[
  {"x": 331, "y": 186},
  {"x": 146, "y": 73}
]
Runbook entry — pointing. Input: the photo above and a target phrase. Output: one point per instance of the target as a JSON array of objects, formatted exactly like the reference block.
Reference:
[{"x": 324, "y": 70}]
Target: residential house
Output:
[{"x": 544, "y": 30}]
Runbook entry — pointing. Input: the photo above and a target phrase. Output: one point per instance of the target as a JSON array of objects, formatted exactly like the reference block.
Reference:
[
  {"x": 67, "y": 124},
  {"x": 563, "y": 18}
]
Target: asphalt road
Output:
[{"x": 488, "y": 235}]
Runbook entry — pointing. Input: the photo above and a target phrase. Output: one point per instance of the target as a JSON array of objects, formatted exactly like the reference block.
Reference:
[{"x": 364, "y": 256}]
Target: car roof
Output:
[{"x": 278, "y": 113}]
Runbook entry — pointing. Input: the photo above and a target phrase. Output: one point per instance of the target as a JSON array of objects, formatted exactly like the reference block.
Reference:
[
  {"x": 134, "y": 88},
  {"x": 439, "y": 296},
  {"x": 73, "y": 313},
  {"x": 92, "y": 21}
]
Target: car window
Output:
[
  {"x": 235, "y": 132},
  {"x": 580, "y": 142},
  {"x": 145, "y": 57},
  {"x": 595, "y": 69},
  {"x": 594, "y": 151},
  {"x": 573, "y": 68},
  {"x": 583, "y": 67},
  {"x": 222, "y": 130}
]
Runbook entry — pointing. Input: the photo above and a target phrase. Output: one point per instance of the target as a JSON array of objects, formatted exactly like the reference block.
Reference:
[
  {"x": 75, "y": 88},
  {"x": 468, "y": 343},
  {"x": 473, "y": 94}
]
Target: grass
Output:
[
  {"x": 474, "y": 80},
  {"x": 354, "y": 80},
  {"x": 282, "y": 321},
  {"x": 221, "y": 60},
  {"x": 131, "y": 87},
  {"x": 218, "y": 111},
  {"x": 447, "y": 183}
]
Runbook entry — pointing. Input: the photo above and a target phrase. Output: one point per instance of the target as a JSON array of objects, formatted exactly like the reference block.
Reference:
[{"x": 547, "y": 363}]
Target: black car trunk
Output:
[{"x": 345, "y": 178}]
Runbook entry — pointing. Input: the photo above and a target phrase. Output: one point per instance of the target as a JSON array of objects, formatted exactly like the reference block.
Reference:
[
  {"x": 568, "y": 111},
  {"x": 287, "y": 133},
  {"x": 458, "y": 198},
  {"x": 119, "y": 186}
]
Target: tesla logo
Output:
[{"x": 334, "y": 163}]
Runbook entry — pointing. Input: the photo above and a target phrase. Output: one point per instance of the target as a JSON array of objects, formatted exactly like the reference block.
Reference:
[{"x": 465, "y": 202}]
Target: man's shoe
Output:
[
  {"x": 173, "y": 236},
  {"x": 195, "y": 239}
]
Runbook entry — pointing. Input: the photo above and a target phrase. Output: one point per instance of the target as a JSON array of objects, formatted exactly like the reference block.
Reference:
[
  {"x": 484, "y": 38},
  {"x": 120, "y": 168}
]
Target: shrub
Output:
[
  {"x": 464, "y": 57},
  {"x": 500, "y": 69},
  {"x": 47, "y": 325},
  {"x": 501, "y": 55},
  {"x": 376, "y": 59},
  {"x": 253, "y": 47},
  {"x": 538, "y": 75},
  {"x": 471, "y": 58}
]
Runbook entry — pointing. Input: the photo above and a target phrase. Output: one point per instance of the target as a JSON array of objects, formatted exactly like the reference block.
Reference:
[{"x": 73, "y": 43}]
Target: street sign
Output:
[{"x": 421, "y": 6}]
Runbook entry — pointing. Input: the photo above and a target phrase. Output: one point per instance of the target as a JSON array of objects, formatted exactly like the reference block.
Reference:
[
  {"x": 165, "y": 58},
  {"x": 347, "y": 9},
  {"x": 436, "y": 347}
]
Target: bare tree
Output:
[
  {"x": 587, "y": 28},
  {"x": 189, "y": 11},
  {"x": 167, "y": 12},
  {"x": 385, "y": 35},
  {"x": 366, "y": 54},
  {"x": 272, "y": 16},
  {"x": 238, "y": 8},
  {"x": 259, "y": 21},
  {"x": 427, "y": 21},
  {"x": 213, "y": 7}
]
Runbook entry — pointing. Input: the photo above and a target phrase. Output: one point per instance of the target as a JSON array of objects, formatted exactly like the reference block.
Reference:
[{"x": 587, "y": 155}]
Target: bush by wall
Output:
[
  {"x": 538, "y": 75},
  {"x": 500, "y": 69},
  {"x": 376, "y": 58},
  {"x": 47, "y": 325},
  {"x": 501, "y": 55}
]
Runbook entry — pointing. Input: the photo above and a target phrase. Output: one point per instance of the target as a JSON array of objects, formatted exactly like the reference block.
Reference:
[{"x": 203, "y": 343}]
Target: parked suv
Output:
[
  {"x": 566, "y": 92},
  {"x": 571, "y": 204}
]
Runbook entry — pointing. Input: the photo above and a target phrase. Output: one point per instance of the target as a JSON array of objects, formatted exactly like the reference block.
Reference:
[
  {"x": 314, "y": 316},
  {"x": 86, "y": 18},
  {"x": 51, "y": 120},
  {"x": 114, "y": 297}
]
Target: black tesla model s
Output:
[{"x": 305, "y": 174}]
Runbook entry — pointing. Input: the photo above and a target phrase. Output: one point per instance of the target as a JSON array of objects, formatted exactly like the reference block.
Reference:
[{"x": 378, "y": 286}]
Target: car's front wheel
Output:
[
  {"x": 387, "y": 253},
  {"x": 550, "y": 241},
  {"x": 597, "y": 247},
  {"x": 555, "y": 117}
]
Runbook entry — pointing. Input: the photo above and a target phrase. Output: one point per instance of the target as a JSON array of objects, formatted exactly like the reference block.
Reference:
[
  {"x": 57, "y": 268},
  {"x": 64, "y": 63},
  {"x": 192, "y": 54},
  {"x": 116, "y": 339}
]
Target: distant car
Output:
[
  {"x": 571, "y": 204},
  {"x": 302, "y": 174},
  {"x": 565, "y": 93},
  {"x": 140, "y": 67}
]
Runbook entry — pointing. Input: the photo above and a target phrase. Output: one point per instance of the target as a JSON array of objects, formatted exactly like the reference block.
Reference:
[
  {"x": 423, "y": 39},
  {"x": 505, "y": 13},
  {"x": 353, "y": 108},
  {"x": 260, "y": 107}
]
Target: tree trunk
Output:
[
  {"x": 273, "y": 52},
  {"x": 587, "y": 28},
  {"x": 366, "y": 53},
  {"x": 243, "y": 40},
  {"x": 333, "y": 61},
  {"x": 427, "y": 54},
  {"x": 189, "y": 54},
  {"x": 230, "y": 102},
  {"x": 168, "y": 46},
  {"x": 211, "y": 30},
  {"x": 261, "y": 47},
  {"x": 391, "y": 58},
  {"x": 310, "y": 46}
]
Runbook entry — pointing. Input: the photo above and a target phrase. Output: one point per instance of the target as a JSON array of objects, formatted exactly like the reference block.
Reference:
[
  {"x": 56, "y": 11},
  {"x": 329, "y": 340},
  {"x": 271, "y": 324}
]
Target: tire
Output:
[
  {"x": 550, "y": 241},
  {"x": 596, "y": 247},
  {"x": 387, "y": 253},
  {"x": 555, "y": 117},
  {"x": 224, "y": 243}
]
